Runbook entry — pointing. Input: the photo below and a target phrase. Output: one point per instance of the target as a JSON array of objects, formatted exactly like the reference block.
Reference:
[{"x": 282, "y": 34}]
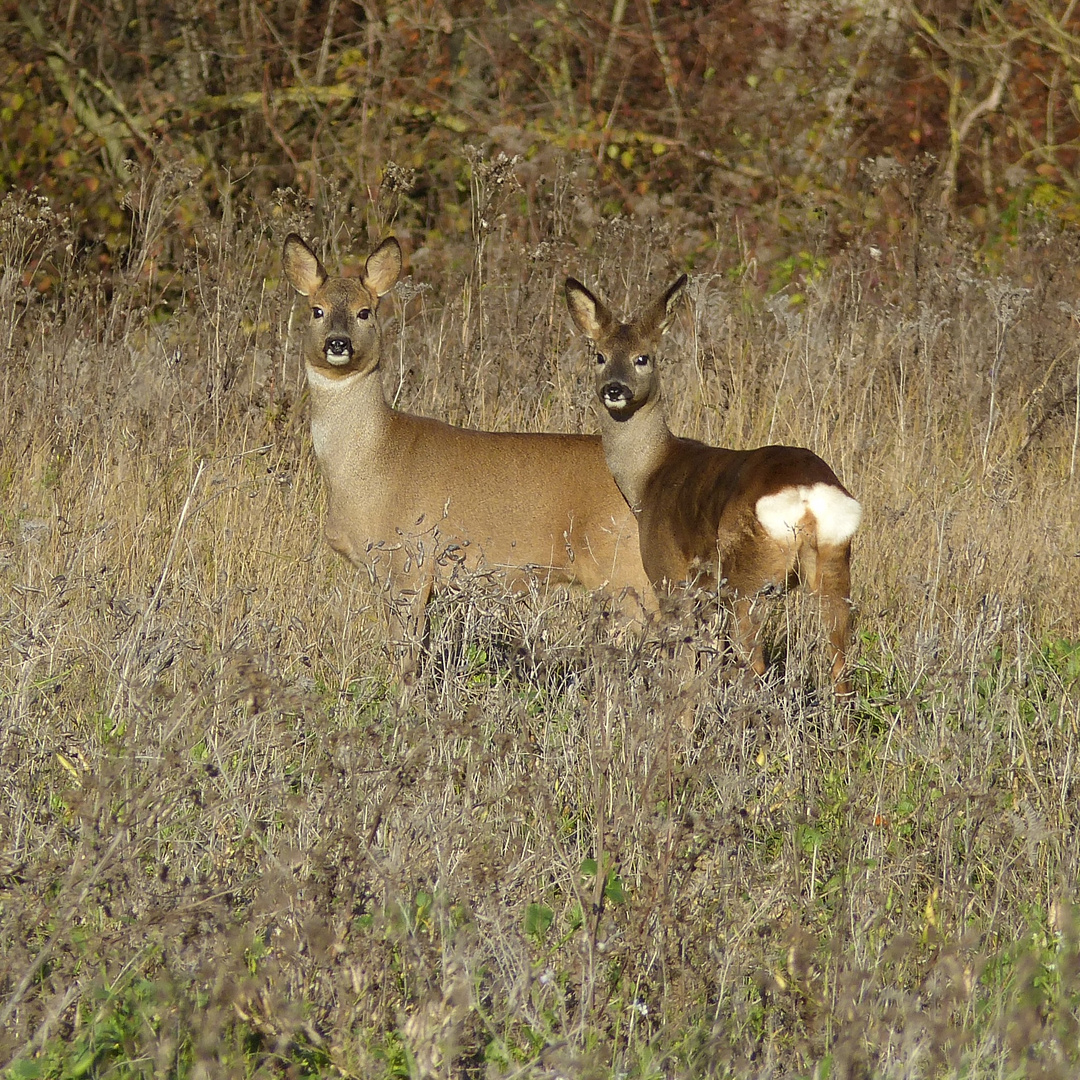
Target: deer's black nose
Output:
[
  {"x": 338, "y": 346},
  {"x": 615, "y": 393}
]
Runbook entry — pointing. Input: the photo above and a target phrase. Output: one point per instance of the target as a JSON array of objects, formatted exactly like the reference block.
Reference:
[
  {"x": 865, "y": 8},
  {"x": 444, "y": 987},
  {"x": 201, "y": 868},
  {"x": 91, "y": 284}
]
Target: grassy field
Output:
[{"x": 232, "y": 843}]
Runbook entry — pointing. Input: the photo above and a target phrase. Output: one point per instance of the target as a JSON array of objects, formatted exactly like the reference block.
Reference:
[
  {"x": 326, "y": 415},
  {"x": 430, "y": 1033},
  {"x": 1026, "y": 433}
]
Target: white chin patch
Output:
[
  {"x": 835, "y": 513},
  {"x": 616, "y": 404}
]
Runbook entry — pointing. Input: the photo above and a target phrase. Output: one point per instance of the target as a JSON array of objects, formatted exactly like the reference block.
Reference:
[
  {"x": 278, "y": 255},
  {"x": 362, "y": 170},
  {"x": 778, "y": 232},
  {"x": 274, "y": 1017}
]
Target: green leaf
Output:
[
  {"x": 25, "y": 1069},
  {"x": 538, "y": 920},
  {"x": 613, "y": 889}
]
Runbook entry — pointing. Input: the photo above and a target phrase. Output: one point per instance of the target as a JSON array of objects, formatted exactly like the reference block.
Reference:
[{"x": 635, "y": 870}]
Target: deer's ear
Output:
[
  {"x": 383, "y": 267},
  {"x": 302, "y": 266},
  {"x": 589, "y": 314},
  {"x": 662, "y": 314}
]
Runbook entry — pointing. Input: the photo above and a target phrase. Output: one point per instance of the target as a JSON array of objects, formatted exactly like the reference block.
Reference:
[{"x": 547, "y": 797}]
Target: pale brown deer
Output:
[
  {"x": 412, "y": 497},
  {"x": 741, "y": 523}
]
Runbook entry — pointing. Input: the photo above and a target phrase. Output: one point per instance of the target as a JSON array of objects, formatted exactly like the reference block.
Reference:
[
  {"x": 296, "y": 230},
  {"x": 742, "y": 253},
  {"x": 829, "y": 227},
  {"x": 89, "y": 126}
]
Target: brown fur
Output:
[
  {"x": 411, "y": 497},
  {"x": 696, "y": 504}
]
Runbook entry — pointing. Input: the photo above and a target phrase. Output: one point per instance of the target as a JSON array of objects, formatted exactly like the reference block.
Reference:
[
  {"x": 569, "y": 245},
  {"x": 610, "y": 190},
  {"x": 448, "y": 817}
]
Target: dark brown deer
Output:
[{"x": 738, "y": 522}]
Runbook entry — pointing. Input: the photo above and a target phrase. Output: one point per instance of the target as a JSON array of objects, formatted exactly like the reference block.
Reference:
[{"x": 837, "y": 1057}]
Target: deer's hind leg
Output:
[
  {"x": 832, "y": 585},
  {"x": 752, "y": 572}
]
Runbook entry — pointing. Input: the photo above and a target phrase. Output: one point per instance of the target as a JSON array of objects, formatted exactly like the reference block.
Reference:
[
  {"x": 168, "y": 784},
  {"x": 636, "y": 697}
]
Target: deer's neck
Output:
[
  {"x": 634, "y": 447},
  {"x": 349, "y": 417}
]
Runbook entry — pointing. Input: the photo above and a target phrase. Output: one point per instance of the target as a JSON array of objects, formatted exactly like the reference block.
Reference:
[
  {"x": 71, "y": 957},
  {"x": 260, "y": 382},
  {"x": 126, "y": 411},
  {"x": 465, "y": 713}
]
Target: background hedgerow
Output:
[
  {"x": 790, "y": 113},
  {"x": 232, "y": 842}
]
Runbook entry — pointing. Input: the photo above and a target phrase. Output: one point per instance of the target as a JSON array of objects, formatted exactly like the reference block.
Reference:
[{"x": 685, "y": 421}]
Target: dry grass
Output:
[{"x": 233, "y": 844}]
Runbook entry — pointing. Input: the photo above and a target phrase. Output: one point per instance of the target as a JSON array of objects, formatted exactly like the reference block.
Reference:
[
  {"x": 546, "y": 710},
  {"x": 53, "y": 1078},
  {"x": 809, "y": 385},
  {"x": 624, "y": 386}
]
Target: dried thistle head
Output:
[
  {"x": 29, "y": 226},
  {"x": 394, "y": 187},
  {"x": 492, "y": 181},
  {"x": 294, "y": 210}
]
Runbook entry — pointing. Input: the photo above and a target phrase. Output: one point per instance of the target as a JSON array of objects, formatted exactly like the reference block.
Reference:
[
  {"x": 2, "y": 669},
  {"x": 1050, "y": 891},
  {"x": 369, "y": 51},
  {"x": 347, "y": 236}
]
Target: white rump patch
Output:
[{"x": 784, "y": 515}]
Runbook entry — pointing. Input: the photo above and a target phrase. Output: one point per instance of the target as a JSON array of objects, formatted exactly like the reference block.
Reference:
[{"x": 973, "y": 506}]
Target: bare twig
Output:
[
  {"x": 665, "y": 62},
  {"x": 324, "y": 48},
  {"x": 958, "y": 132},
  {"x": 618, "y": 12}
]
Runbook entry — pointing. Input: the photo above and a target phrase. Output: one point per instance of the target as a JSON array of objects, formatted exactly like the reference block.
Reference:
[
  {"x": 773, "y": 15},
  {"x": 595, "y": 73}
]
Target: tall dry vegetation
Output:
[
  {"x": 232, "y": 843},
  {"x": 231, "y": 839}
]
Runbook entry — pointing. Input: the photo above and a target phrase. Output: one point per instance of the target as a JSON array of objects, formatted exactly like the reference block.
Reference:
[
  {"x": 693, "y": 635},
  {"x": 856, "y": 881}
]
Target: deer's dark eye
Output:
[
  {"x": 642, "y": 360},
  {"x": 601, "y": 358},
  {"x": 317, "y": 313},
  {"x": 364, "y": 313}
]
